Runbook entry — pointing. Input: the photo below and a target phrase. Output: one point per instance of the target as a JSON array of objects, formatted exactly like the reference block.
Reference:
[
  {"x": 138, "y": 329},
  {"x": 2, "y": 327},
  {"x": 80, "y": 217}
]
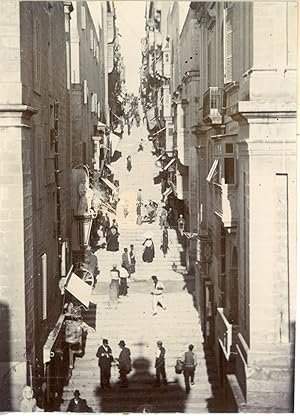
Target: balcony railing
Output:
[
  {"x": 224, "y": 332},
  {"x": 212, "y": 105}
]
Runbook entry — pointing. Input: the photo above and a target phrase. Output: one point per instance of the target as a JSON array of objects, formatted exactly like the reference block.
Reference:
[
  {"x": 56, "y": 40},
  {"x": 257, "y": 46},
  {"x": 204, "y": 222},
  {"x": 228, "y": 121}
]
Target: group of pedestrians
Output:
[
  {"x": 106, "y": 359},
  {"x": 118, "y": 276}
]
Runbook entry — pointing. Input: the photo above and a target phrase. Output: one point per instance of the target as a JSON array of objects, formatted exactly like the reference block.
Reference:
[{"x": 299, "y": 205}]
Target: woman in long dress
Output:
[{"x": 149, "y": 252}]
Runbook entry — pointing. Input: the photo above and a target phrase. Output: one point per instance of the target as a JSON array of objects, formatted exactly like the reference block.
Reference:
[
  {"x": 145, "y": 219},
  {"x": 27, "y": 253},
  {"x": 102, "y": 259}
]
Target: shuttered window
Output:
[
  {"x": 228, "y": 44},
  {"x": 85, "y": 92},
  {"x": 83, "y": 18}
]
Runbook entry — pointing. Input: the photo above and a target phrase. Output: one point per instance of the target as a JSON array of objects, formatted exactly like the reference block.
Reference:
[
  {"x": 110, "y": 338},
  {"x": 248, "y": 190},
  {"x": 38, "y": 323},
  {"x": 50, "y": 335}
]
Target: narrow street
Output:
[{"x": 132, "y": 319}]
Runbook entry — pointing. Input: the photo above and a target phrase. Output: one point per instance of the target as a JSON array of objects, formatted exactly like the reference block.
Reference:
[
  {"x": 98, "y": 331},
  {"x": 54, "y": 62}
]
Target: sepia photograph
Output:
[{"x": 148, "y": 206}]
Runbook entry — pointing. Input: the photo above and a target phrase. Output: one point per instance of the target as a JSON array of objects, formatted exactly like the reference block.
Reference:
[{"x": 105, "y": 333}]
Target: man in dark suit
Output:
[
  {"x": 105, "y": 357},
  {"x": 124, "y": 363},
  {"x": 78, "y": 405}
]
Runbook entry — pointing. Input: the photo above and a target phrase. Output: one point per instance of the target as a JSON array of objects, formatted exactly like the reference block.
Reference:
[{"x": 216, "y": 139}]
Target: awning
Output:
[
  {"x": 170, "y": 163},
  {"x": 114, "y": 139},
  {"x": 51, "y": 339},
  {"x": 103, "y": 198},
  {"x": 109, "y": 184},
  {"x": 78, "y": 288},
  {"x": 159, "y": 157},
  {"x": 159, "y": 131},
  {"x": 168, "y": 192},
  {"x": 109, "y": 166}
]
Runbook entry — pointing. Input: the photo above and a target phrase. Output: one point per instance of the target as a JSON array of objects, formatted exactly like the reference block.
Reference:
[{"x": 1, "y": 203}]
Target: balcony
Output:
[
  {"x": 224, "y": 332},
  {"x": 212, "y": 105},
  {"x": 225, "y": 204}
]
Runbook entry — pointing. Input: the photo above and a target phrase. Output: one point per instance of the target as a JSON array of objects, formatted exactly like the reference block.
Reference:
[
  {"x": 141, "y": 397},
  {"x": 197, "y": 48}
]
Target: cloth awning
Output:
[
  {"x": 52, "y": 338},
  {"x": 170, "y": 163},
  {"x": 110, "y": 184},
  {"x": 159, "y": 131},
  {"x": 104, "y": 205},
  {"x": 78, "y": 288},
  {"x": 168, "y": 192},
  {"x": 114, "y": 139},
  {"x": 159, "y": 157},
  {"x": 109, "y": 166}
]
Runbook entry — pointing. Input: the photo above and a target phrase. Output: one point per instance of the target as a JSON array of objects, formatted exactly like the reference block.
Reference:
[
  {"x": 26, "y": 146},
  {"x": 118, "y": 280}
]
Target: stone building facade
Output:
[
  {"x": 233, "y": 85},
  {"x": 35, "y": 186}
]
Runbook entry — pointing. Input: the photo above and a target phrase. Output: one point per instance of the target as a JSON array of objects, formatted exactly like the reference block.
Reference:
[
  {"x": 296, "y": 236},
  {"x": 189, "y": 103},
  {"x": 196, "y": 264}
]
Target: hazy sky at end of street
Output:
[{"x": 131, "y": 24}]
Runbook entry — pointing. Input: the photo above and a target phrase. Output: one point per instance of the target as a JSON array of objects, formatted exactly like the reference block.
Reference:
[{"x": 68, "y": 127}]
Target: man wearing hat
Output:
[
  {"x": 160, "y": 364},
  {"x": 105, "y": 359},
  {"x": 124, "y": 363},
  {"x": 77, "y": 404}
]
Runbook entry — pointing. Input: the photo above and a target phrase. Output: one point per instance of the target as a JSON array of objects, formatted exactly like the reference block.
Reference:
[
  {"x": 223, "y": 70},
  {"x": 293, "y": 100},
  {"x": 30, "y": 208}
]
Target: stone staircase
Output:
[{"x": 132, "y": 321}]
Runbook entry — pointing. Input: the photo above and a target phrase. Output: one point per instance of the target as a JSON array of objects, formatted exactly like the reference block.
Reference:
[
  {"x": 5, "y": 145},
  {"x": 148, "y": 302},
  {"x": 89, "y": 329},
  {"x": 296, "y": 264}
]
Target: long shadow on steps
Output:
[{"x": 141, "y": 395}]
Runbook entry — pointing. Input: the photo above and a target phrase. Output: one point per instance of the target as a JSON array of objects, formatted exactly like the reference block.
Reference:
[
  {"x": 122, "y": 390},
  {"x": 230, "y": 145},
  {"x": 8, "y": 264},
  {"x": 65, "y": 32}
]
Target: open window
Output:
[{"x": 229, "y": 164}]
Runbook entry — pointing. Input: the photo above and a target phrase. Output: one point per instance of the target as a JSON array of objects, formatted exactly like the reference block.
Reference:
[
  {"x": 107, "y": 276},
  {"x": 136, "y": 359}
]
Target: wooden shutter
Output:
[{"x": 228, "y": 43}]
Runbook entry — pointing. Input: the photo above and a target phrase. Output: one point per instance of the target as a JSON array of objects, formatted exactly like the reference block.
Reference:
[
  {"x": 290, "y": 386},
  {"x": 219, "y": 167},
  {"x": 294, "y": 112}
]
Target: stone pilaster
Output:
[{"x": 16, "y": 278}]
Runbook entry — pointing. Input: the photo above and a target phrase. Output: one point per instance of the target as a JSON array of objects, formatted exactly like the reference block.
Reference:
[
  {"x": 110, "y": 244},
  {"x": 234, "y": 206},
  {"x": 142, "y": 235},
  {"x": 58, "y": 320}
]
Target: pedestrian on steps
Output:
[
  {"x": 123, "y": 282},
  {"x": 114, "y": 287},
  {"x": 160, "y": 364},
  {"x": 112, "y": 240},
  {"x": 149, "y": 251},
  {"x": 165, "y": 242},
  {"x": 105, "y": 358},
  {"x": 124, "y": 361},
  {"x": 129, "y": 163},
  {"x": 157, "y": 295},
  {"x": 132, "y": 259},
  {"x": 126, "y": 259},
  {"x": 78, "y": 405},
  {"x": 163, "y": 218},
  {"x": 189, "y": 360}
]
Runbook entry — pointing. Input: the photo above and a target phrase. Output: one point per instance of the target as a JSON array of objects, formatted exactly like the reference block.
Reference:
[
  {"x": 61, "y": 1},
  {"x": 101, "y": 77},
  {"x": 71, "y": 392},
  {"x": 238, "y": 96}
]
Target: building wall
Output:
[
  {"x": 255, "y": 215},
  {"x": 86, "y": 81},
  {"x": 36, "y": 47}
]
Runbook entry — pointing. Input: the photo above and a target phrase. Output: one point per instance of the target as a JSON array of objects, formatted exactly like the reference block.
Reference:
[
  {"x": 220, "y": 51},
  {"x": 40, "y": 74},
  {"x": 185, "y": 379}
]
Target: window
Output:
[
  {"x": 170, "y": 132},
  {"x": 229, "y": 164},
  {"x": 83, "y": 18},
  {"x": 94, "y": 103},
  {"x": 85, "y": 92},
  {"x": 167, "y": 58},
  {"x": 44, "y": 285},
  {"x": 213, "y": 170},
  {"x": 97, "y": 54},
  {"x": 98, "y": 110}
]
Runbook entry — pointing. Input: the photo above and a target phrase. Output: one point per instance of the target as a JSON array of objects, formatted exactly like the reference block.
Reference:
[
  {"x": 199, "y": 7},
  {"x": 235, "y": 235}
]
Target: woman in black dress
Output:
[
  {"x": 165, "y": 242},
  {"x": 149, "y": 252}
]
